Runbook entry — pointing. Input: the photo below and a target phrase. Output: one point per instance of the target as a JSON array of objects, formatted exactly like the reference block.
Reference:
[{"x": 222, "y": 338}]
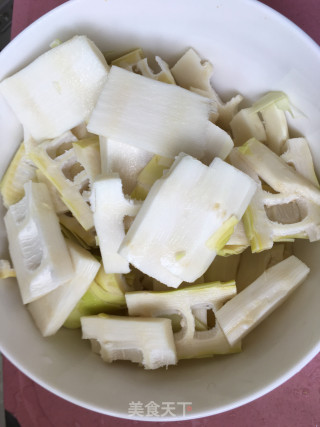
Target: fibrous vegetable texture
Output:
[{"x": 148, "y": 212}]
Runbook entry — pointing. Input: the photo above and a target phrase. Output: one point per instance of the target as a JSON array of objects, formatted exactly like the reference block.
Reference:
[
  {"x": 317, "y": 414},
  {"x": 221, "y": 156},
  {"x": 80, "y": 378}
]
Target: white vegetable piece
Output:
[
  {"x": 186, "y": 218},
  {"x": 276, "y": 172},
  {"x": 37, "y": 248},
  {"x": 247, "y": 309},
  {"x": 298, "y": 218},
  {"x": 87, "y": 151},
  {"x": 194, "y": 73},
  {"x": 297, "y": 153},
  {"x": 222, "y": 146},
  {"x": 110, "y": 207},
  {"x": 164, "y": 75},
  {"x": 20, "y": 171},
  {"x": 276, "y": 126},
  {"x": 57, "y": 160},
  {"x": 59, "y": 89},
  {"x": 227, "y": 111},
  {"x": 272, "y": 107},
  {"x": 191, "y": 72},
  {"x": 59, "y": 206},
  {"x": 124, "y": 159},
  {"x": 273, "y": 98},
  {"x": 151, "y": 115},
  {"x": 129, "y": 60},
  {"x": 277, "y": 217},
  {"x": 245, "y": 125},
  {"x": 187, "y": 302},
  {"x": 146, "y": 341},
  {"x": 257, "y": 224},
  {"x": 51, "y": 311}
]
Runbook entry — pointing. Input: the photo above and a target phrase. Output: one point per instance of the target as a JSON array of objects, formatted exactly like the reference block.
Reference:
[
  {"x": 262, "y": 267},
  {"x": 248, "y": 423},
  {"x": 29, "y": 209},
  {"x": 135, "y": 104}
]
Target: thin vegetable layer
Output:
[
  {"x": 245, "y": 125},
  {"x": 59, "y": 89},
  {"x": 181, "y": 225},
  {"x": 110, "y": 207},
  {"x": 57, "y": 160},
  {"x": 291, "y": 213},
  {"x": 272, "y": 107},
  {"x": 276, "y": 172},
  {"x": 164, "y": 75},
  {"x": 51, "y": 311},
  {"x": 20, "y": 171},
  {"x": 88, "y": 154},
  {"x": 123, "y": 159},
  {"x": 151, "y": 115},
  {"x": 297, "y": 153},
  {"x": 146, "y": 341},
  {"x": 246, "y": 310},
  {"x": 186, "y": 303},
  {"x": 37, "y": 248}
]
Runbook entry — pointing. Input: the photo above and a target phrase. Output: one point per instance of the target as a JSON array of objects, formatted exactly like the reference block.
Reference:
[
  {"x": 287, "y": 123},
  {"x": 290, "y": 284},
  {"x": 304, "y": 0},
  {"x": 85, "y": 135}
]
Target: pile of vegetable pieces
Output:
[{"x": 148, "y": 212}]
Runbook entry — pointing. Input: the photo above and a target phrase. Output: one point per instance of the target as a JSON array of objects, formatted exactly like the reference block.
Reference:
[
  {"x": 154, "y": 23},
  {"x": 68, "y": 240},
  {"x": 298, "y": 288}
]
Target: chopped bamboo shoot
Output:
[
  {"x": 19, "y": 172},
  {"x": 191, "y": 72},
  {"x": 276, "y": 172},
  {"x": 51, "y": 311},
  {"x": 175, "y": 235},
  {"x": 247, "y": 309},
  {"x": 291, "y": 213},
  {"x": 189, "y": 342},
  {"x": 57, "y": 160},
  {"x": 88, "y": 154},
  {"x": 297, "y": 153},
  {"x": 245, "y": 125},
  {"x": 146, "y": 341},
  {"x": 129, "y": 59},
  {"x": 59, "y": 89},
  {"x": 272, "y": 107},
  {"x": 126, "y": 160},
  {"x": 105, "y": 295},
  {"x": 110, "y": 207},
  {"x": 151, "y": 115},
  {"x": 37, "y": 248},
  {"x": 164, "y": 75}
]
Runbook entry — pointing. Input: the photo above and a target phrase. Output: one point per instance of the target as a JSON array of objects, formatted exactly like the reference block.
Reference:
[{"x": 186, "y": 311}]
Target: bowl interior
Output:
[{"x": 253, "y": 50}]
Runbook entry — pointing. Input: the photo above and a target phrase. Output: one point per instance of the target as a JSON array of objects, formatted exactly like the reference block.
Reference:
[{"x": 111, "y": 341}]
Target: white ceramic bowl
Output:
[{"x": 253, "y": 50}]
